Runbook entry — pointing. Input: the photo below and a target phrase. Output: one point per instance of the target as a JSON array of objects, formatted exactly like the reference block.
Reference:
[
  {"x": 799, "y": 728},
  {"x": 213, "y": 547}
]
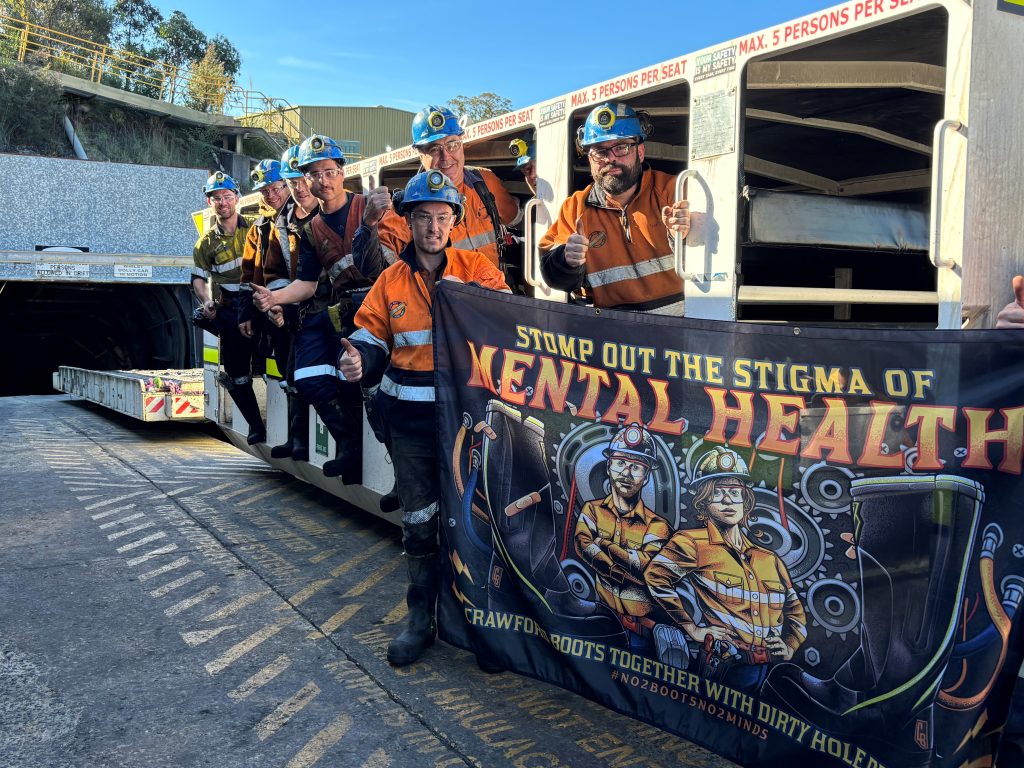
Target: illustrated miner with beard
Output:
[
  {"x": 617, "y": 536},
  {"x": 613, "y": 238},
  {"x": 750, "y": 613}
]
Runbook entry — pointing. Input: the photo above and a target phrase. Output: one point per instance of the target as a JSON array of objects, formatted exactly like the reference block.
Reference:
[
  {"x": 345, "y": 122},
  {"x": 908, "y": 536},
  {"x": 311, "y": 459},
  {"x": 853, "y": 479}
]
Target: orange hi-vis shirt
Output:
[
  {"x": 395, "y": 322},
  {"x": 630, "y": 264},
  {"x": 474, "y": 233},
  {"x": 747, "y": 591},
  {"x": 260, "y": 240}
]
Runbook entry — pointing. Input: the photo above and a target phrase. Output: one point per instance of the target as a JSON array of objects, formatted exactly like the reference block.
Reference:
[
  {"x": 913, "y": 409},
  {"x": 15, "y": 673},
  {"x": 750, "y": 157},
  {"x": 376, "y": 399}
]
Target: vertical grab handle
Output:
[
  {"x": 678, "y": 241},
  {"x": 938, "y": 152},
  {"x": 531, "y": 260}
]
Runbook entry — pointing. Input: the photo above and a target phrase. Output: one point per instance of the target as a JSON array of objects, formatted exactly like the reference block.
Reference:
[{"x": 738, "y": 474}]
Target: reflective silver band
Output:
[
  {"x": 365, "y": 336},
  {"x": 632, "y": 271},
  {"x": 414, "y": 339},
  {"x": 227, "y": 266},
  {"x": 420, "y": 515},
  {"x": 475, "y": 241},
  {"x": 315, "y": 370},
  {"x": 345, "y": 262},
  {"x": 282, "y": 282},
  {"x": 406, "y": 392}
]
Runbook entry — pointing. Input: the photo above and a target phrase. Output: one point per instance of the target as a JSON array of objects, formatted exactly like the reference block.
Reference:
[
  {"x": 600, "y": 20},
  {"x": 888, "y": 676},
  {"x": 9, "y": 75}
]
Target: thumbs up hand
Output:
[
  {"x": 576, "y": 246},
  {"x": 350, "y": 362},
  {"x": 262, "y": 297},
  {"x": 1012, "y": 315}
]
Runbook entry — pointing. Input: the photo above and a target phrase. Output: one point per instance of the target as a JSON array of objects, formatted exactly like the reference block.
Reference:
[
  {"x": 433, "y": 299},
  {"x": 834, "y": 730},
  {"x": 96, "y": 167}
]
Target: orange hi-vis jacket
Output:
[
  {"x": 260, "y": 241},
  {"x": 474, "y": 233},
  {"x": 396, "y": 321},
  {"x": 630, "y": 264}
]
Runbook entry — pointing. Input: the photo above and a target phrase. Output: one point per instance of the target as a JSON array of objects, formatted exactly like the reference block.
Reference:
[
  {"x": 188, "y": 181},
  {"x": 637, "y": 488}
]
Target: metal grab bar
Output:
[
  {"x": 531, "y": 259},
  {"x": 935, "y": 236},
  {"x": 679, "y": 242}
]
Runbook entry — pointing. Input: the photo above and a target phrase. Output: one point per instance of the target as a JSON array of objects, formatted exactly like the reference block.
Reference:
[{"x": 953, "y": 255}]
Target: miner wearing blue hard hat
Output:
[
  {"x": 218, "y": 257},
  {"x": 613, "y": 237},
  {"x": 326, "y": 245},
  {"x": 437, "y": 135},
  {"x": 394, "y": 341}
]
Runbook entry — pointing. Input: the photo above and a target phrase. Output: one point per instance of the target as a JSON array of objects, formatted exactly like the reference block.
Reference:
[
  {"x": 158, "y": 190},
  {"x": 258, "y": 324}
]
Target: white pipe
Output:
[{"x": 69, "y": 129}]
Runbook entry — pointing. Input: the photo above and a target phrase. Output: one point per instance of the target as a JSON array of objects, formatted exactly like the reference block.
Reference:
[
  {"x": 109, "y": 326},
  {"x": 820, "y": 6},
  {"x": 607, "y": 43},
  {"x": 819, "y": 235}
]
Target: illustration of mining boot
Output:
[
  {"x": 524, "y": 564},
  {"x": 915, "y": 537}
]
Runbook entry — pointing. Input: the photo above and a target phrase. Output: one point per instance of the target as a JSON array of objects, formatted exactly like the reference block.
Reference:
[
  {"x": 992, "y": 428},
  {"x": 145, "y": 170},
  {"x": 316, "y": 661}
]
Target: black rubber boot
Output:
[
  {"x": 914, "y": 536},
  {"x": 345, "y": 423},
  {"x": 245, "y": 401},
  {"x": 297, "y": 444},
  {"x": 390, "y": 502},
  {"x": 421, "y": 628}
]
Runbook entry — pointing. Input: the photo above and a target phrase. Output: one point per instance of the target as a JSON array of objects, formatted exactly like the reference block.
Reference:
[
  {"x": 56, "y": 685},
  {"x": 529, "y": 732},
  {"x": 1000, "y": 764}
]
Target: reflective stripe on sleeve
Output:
[
  {"x": 473, "y": 242},
  {"x": 366, "y": 337},
  {"x": 227, "y": 266},
  {"x": 281, "y": 282},
  {"x": 345, "y": 262}
]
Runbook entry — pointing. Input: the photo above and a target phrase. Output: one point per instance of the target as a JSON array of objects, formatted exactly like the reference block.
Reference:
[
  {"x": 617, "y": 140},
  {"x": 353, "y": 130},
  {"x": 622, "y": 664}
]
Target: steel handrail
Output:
[
  {"x": 530, "y": 258},
  {"x": 935, "y": 236}
]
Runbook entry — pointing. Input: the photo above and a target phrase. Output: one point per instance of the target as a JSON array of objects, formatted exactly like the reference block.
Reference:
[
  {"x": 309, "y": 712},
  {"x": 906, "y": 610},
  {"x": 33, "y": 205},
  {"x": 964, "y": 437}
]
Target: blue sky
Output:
[{"x": 406, "y": 55}]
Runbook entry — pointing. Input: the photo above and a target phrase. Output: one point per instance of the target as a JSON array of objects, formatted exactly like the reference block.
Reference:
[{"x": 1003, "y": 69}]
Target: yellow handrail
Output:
[{"x": 33, "y": 44}]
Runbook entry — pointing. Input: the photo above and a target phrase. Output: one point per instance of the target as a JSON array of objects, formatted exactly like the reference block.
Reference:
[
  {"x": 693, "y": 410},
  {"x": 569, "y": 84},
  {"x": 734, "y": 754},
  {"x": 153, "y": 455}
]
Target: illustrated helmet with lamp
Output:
[
  {"x": 721, "y": 462},
  {"x": 318, "y": 147},
  {"x": 634, "y": 441},
  {"x": 429, "y": 187},
  {"x": 266, "y": 172},
  {"x": 611, "y": 121},
  {"x": 432, "y": 123},
  {"x": 220, "y": 180},
  {"x": 522, "y": 151},
  {"x": 290, "y": 163}
]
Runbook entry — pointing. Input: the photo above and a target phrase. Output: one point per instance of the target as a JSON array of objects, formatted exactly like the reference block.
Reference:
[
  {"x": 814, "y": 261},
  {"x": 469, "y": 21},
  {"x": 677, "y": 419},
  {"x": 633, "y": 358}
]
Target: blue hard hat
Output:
[
  {"x": 220, "y": 180},
  {"x": 612, "y": 120},
  {"x": 318, "y": 147},
  {"x": 266, "y": 172},
  {"x": 432, "y": 123},
  {"x": 290, "y": 163},
  {"x": 524, "y": 152},
  {"x": 431, "y": 187}
]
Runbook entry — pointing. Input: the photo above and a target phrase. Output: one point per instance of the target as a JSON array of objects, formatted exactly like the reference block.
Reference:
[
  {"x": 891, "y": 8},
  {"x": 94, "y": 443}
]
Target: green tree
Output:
[
  {"x": 228, "y": 55},
  {"x": 135, "y": 24},
  {"x": 208, "y": 85},
  {"x": 181, "y": 44},
  {"x": 480, "y": 107}
]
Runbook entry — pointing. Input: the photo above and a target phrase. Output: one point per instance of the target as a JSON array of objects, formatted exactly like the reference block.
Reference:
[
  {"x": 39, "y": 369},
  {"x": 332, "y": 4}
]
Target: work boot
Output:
[
  {"x": 914, "y": 536},
  {"x": 390, "y": 502},
  {"x": 420, "y": 628},
  {"x": 245, "y": 401},
  {"x": 345, "y": 423},
  {"x": 297, "y": 444}
]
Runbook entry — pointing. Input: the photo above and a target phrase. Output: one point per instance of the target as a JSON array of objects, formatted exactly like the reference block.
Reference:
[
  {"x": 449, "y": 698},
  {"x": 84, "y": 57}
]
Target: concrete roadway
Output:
[{"x": 167, "y": 600}]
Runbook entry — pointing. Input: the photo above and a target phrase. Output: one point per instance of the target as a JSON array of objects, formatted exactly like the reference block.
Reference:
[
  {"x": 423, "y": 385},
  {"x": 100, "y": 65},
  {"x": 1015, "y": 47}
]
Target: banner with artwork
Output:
[{"x": 772, "y": 541}]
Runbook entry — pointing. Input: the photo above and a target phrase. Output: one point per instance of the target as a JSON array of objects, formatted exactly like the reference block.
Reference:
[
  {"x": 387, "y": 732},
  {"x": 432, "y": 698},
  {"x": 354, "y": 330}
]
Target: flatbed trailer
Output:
[{"x": 168, "y": 395}]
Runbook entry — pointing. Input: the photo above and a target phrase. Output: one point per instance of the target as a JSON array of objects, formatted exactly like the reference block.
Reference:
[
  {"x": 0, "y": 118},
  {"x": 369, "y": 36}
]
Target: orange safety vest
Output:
[
  {"x": 630, "y": 264},
  {"x": 474, "y": 233},
  {"x": 334, "y": 251},
  {"x": 395, "y": 321}
]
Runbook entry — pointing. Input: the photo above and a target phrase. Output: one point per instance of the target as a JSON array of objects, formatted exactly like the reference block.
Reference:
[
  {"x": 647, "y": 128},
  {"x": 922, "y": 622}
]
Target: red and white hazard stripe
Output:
[
  {"x": 183, "y": 407},
  {"x": 154, "y": 404}
]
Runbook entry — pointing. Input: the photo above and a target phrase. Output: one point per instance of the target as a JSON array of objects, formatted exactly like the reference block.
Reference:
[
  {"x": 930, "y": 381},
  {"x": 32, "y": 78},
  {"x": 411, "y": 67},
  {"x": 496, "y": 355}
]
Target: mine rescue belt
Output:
[{"x": 501, "y": 237}]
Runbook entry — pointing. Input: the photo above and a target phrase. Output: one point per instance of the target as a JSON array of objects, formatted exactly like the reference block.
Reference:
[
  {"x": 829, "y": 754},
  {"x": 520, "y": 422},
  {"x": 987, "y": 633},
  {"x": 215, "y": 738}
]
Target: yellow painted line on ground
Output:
[
  {"x": 325, "y": 555},
  {"x": 140, "y": 542},
  {"x": 317, "y": 747},
  {"x": 200, "y": 636},
  {"x": 237, "y": 605},
  {"x": 170, "y": 586},
  {"x": 374, "y": 577},
  {"x": 335, "y": 621},
  {"x": 188, "y": 602},
  {"x": 104, "y": 503},
  {"x": 216, "y": 488},
  {"x": 239, "y": 650},
  {"x": 355, "y": 560},
  {"x": 163, "y": 569},
  {"x": 261, "y": 678},
  {"x": 379, "y": 759},
  {"x": 261, "y": 496},
  {"x": 164, "y": 550},
  {"x": 304, "y": 594},
  {"x": 130, "y": 531},
  {"x": 176, "y": 491},
  {"x": 397, "y": 613},
  {"x": 109, "y": 512},
  {"x": 123, "y": 520},
  {"x": 239, "y": 492},
  {"x": 285, "y": 711}
]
